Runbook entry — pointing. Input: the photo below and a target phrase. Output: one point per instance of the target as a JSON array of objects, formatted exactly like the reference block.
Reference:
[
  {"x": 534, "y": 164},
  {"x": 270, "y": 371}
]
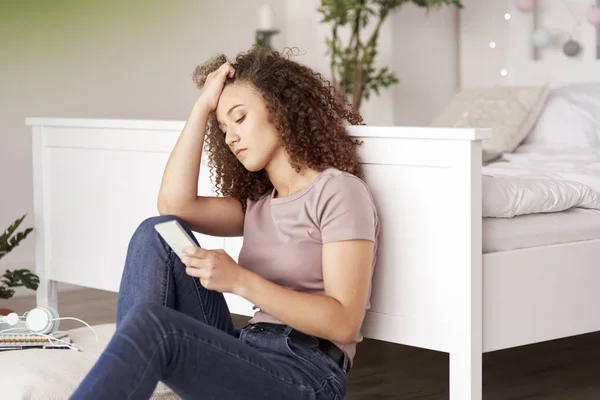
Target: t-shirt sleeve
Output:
[{"x": 346, "y": 210}]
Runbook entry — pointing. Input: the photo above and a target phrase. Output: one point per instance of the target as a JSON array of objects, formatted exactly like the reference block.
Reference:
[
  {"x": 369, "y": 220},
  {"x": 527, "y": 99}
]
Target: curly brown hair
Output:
[{"x": 305, "y": 109}]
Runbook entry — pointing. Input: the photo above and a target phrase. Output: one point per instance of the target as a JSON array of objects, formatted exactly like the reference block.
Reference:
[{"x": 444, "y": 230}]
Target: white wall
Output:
[
  {"x": 425, "y": 57},
  {"x": 133, "y": 59},
  {"x": 421, "y": 48},
  {"x": 103, "y": 59},
  {"x": 483, "y": 22},
  {"x": 312, "y": 52}
]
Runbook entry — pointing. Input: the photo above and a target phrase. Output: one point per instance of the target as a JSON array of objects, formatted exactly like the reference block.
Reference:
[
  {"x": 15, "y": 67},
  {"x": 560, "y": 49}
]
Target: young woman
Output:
[{"x": 289, "y": 182}]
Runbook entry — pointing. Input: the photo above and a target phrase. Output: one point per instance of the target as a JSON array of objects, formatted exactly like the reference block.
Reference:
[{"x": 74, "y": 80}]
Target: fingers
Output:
[
  {"x": 198, "y": 268},
  {"x": 231, "y": 71},
  {"x": 197, "y": 252},
  {"x": 206, "y": 276},
  {"x": 197, "y": 258},
  {"x": 209, "y": 266},
  {"x": 225, "y": 70},
  {"x": 197, "y": 273},
  {"x": 195, "y": 262}
]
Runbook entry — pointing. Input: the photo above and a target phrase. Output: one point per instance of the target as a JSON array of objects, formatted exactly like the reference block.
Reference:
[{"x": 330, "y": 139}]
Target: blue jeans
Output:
[{"x": 171, "y": 329}]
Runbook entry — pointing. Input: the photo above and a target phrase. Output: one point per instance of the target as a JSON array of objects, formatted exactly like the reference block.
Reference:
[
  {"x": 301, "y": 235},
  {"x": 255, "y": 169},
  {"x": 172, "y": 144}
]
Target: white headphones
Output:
[{"x": 42, "y": 320}]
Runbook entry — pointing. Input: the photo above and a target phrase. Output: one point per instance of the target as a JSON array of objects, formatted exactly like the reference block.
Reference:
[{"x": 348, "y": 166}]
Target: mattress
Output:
[{"x": 542, "y": 229}]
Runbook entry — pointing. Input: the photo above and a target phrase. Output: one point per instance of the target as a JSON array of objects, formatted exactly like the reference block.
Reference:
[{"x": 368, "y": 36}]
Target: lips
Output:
[{"x": 239, "y": 151}]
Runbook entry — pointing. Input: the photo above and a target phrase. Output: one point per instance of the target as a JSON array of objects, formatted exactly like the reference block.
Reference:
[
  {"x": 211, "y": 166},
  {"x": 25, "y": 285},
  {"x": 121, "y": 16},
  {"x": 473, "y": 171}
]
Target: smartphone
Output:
[{"x": 175, "y": 236}]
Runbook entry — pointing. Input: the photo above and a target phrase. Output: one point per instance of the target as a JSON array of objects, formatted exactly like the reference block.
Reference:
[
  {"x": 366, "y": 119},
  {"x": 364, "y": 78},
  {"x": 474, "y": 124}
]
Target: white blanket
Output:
[{"x": 540, "y": 180}]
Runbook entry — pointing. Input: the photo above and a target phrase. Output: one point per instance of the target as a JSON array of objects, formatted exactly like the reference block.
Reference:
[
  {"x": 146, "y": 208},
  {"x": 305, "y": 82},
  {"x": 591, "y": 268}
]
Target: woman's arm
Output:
[
  {"x": 337, "y": 316},
  {"x": 178, "y": 195},
  {"x": 179, "y": 184}
]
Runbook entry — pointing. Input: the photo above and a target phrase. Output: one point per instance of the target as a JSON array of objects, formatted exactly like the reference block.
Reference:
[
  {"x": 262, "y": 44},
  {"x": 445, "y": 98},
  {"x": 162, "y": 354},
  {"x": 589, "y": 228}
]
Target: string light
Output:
[
  {"x": 571, "y": 47},
  {"x": 492, "y": 44}
]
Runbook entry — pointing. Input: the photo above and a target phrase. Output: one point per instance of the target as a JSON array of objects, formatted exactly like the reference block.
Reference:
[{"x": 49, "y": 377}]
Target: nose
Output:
[{"x": 231, "y": 138}]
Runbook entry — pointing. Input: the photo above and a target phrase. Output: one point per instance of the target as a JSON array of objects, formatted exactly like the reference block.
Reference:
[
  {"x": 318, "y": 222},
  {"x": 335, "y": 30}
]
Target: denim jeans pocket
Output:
[
  {"x": 338, "y": 388},
  {"x": 316, "y": 371},
  {"x": 323, "y": 366},
  {"x": 303, "y": 355}
]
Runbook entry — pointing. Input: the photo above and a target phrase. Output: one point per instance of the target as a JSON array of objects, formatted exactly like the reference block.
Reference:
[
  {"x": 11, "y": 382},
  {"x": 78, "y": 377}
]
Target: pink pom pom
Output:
[
  {"x": 524, "y": 5},
  {"x": 593, "y": 16}
]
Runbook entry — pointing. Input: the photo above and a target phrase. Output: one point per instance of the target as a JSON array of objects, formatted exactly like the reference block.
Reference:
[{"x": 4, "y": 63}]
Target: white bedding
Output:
[{"x": 541, "y": 180}]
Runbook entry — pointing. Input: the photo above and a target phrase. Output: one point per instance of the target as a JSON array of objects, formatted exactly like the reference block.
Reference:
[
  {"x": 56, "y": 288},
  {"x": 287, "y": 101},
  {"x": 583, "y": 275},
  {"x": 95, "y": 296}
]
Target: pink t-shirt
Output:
[{"x": 283, "y": 236}]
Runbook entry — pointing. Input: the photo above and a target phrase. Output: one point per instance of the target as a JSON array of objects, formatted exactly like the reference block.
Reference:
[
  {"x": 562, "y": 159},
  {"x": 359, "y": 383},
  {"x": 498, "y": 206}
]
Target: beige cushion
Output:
[
  {"x": 511, "y": 112},
  {"x": 38, "y": 374}
]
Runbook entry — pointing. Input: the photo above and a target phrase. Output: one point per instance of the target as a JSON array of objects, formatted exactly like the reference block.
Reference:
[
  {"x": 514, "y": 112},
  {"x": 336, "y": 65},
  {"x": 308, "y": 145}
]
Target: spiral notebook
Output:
[{"x": 20, "y": 341}]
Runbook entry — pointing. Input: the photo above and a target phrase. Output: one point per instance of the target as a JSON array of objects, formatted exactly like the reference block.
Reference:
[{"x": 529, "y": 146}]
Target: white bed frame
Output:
[{"x": 96, "y": 180}]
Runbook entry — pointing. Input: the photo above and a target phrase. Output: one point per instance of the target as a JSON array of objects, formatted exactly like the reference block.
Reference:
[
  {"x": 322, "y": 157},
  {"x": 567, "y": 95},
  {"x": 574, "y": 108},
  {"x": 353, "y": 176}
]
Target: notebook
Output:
[{"x": 20, "y": 341}]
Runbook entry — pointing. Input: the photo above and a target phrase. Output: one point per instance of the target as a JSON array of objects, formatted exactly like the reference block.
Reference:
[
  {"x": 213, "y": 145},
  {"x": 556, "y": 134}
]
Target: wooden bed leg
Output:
[{"x": 466, "y": 375}]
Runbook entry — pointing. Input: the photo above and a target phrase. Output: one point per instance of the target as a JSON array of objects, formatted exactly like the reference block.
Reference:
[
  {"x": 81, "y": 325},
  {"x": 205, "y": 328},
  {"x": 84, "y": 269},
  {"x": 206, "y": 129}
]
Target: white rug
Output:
[{"x": 46, "y": 374}]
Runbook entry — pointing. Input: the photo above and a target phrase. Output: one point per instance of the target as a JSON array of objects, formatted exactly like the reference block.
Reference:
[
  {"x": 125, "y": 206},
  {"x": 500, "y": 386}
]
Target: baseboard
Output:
[
  {"x": 30, "y": 265},
  {"x": 62, "y": 287}
]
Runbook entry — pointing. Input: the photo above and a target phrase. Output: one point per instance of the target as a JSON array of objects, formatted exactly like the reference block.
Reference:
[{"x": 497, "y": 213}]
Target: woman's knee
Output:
[
  {"x": 148, "y": 224},
  {"x": 145, "y": 311},
  {"x": 146, "y": 234},
  {"x": 143, "y": 318}
]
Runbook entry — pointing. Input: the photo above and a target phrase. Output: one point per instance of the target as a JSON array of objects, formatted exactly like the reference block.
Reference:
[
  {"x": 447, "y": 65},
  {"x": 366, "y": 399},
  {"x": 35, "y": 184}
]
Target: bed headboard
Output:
[
  {"x": 496, "y": 43},
  {"x": 95, "y": 181}
]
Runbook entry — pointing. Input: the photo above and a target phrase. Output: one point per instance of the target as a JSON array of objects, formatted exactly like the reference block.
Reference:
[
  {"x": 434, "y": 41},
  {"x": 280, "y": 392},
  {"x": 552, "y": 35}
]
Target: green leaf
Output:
[
  {"x": 21, "y": 277},
  {"x": 6, "y": 293},
  {"x": 436, "y": 4},
  {"x": 8, "y": 242},
  {"x": 360, "y": 51},
  {"x": 11, "y": 229}
]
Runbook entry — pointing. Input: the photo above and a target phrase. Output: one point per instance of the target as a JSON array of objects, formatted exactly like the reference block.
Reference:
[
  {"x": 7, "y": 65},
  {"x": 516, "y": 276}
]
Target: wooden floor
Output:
[{"x": 567, "y": 369}]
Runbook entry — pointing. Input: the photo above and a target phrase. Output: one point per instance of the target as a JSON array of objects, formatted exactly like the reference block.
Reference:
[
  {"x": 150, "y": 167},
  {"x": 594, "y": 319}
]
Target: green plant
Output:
[
  {"x": 20, "y": 277},
  {"x": 353, "y": 70}
]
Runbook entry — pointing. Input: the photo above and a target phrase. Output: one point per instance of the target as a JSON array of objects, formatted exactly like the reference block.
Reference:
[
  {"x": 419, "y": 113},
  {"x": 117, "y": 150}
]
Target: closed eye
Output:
[{"x": 238, "y": 121}]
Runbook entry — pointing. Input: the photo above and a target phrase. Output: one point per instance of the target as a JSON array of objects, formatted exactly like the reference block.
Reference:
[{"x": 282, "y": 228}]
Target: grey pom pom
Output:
[{"x": 572, "y": 48}]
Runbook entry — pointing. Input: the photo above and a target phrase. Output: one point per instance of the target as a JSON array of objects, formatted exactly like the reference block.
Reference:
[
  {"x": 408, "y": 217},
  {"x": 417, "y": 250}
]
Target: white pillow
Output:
[
  {"x": 570, "y": 118},
  {"x": 511, "y": 112}
]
